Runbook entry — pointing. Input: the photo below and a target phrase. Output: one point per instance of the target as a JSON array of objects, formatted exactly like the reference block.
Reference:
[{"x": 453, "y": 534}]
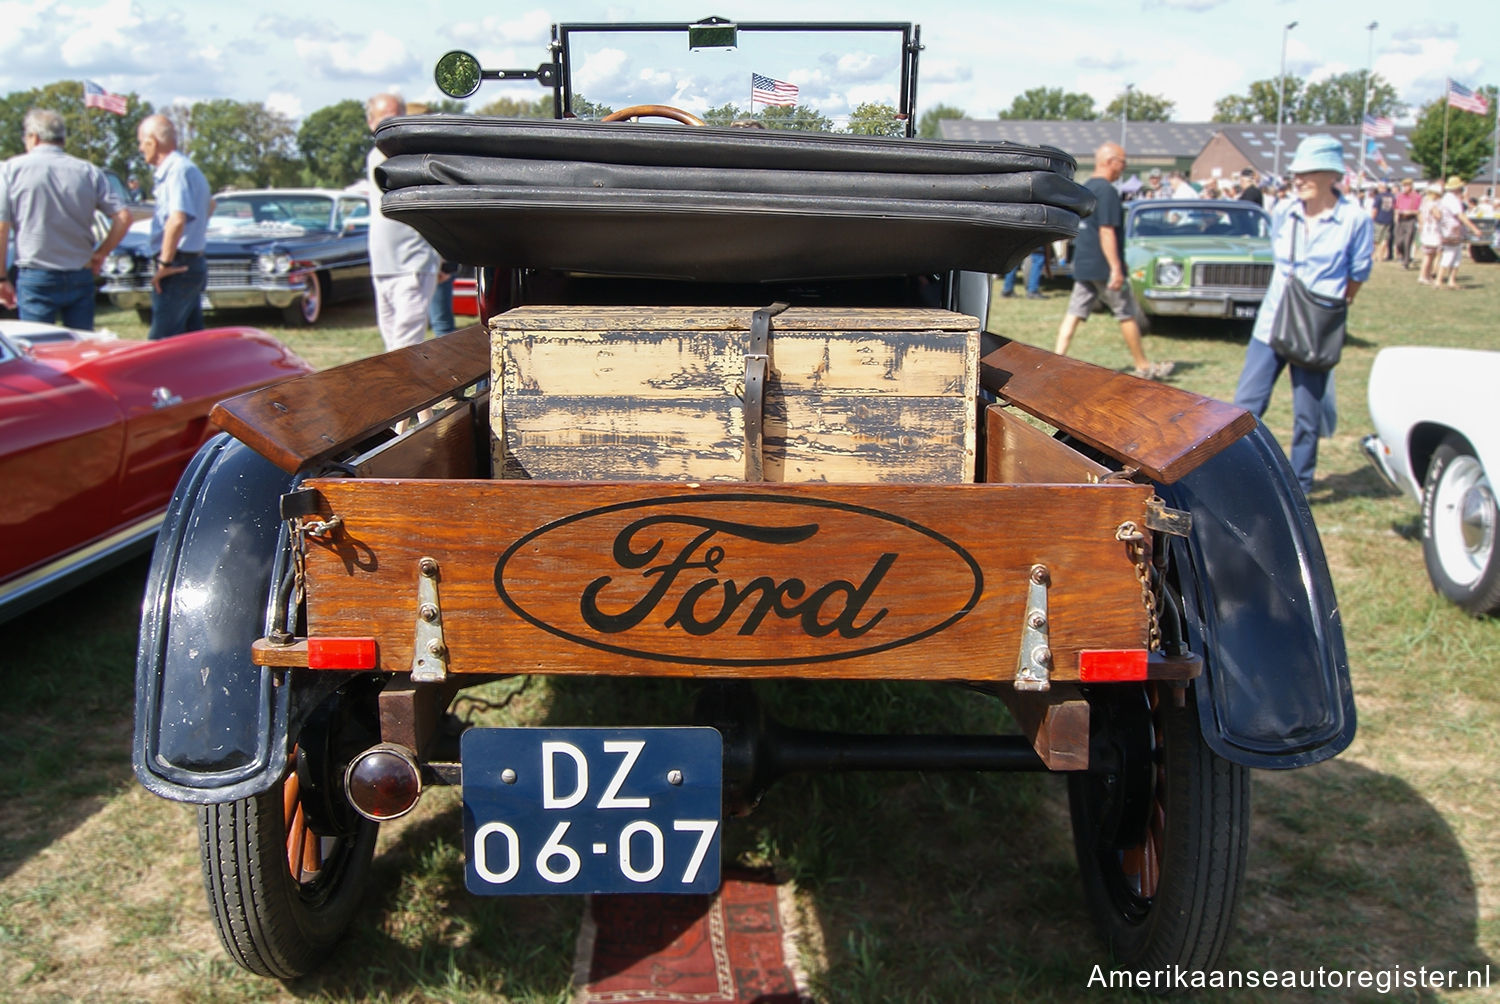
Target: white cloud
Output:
[
  {"x": 287, "y": 104},
  {"x": 380, "y": 55},
  {"x": 601, "y": 70}
]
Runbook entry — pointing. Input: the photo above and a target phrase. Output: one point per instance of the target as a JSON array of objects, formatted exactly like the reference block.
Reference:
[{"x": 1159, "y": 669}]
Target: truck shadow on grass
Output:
[{"x": 949, "y": 887}]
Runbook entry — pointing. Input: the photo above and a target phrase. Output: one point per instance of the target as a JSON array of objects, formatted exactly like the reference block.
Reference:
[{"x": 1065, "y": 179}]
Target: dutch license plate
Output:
[
  {"x": 592, "y": 810},
  {"x": 1246, "y": 310}
]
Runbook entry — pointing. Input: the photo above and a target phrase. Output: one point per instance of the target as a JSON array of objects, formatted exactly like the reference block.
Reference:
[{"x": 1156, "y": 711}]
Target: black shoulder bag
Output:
[{"x": 1308, "y": 329}]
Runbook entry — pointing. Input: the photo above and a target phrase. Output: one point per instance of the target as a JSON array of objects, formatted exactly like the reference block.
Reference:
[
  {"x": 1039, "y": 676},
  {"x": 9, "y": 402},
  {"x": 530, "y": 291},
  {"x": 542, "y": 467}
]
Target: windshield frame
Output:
[{"x": 911, "y": 45}]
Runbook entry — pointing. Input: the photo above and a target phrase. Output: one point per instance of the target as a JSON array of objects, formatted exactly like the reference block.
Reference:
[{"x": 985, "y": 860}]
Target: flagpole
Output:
[
  {"x": 1365, "y": 114},
  {"x": 1447, "y": 104},
  {"x": 1496, "y": 156}
]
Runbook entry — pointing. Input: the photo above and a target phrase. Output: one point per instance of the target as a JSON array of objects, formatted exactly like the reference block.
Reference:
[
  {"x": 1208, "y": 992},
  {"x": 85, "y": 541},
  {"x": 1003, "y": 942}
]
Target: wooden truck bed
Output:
[{"x": 1032, "y": 574}]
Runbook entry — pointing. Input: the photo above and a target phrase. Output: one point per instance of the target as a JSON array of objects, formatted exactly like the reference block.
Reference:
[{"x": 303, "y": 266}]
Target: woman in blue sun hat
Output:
[{"x": 1328, "y": 241}]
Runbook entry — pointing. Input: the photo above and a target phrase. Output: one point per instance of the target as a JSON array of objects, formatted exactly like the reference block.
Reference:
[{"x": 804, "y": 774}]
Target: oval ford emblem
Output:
[{"x": 738, "y": 580}]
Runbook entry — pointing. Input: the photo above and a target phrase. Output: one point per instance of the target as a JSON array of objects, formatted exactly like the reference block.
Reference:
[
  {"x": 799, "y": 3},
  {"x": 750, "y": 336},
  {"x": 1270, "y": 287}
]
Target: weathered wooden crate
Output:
[{"x": 656, "y": 393}]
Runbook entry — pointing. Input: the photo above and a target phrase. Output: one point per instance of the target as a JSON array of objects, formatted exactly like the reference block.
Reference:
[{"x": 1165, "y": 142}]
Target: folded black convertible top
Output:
[{"x": 720, "y": 205}]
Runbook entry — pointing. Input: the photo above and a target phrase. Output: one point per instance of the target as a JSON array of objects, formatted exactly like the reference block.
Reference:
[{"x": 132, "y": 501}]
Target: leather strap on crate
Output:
[{"x": 757, "y": 364}]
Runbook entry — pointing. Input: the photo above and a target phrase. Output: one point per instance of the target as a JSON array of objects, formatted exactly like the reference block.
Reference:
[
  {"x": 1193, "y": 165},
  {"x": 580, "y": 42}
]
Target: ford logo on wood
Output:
[{"x": 708, "y": 580}]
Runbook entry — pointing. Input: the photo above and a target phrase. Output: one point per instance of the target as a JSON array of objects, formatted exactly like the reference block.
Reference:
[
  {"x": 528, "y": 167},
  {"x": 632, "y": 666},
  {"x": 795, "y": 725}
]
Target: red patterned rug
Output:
[{"x": 734, "y": 947}]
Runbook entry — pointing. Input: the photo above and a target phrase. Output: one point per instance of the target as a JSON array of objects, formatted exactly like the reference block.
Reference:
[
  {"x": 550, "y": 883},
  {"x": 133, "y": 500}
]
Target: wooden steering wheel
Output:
[{"x": 655, "y": 111}]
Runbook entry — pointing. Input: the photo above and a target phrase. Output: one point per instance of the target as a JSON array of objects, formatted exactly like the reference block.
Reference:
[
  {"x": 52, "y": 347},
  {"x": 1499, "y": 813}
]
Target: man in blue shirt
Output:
[
  {"x": 50, "y": 199},
  {"x": 178, "y": 231},
  {"x": 1327, "y": 239},
  {"x": 1099, "y": 266}
]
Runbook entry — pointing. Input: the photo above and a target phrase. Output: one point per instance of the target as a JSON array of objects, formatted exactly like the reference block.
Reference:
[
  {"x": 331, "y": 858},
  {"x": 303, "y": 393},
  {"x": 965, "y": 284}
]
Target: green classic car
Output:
[{"x": 1198, "y": 257}]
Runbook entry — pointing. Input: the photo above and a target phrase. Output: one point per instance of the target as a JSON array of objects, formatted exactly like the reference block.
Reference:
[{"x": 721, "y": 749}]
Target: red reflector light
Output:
[
  {"x": 383, "y": 782},
  {"x": 341, "y": 653},
  {"x": 1102, "y": 665}
]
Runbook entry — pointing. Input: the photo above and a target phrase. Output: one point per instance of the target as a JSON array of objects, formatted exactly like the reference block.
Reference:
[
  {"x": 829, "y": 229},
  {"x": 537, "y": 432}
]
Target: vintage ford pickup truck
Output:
[{"x": 730, "y": 417}]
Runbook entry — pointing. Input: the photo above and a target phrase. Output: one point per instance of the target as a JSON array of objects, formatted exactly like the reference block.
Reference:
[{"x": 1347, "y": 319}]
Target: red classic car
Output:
[{"x": 94, "y": 435}]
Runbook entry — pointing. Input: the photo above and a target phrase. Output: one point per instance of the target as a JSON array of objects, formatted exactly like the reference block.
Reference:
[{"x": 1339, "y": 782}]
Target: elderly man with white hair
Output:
[{"x": 49, "y": 198}]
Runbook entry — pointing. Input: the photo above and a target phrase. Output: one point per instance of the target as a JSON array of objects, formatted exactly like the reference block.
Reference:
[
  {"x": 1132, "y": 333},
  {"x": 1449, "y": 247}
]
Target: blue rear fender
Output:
[
  {"x": 1260, "y": 607},
  {"x": 210, "y": 725}
]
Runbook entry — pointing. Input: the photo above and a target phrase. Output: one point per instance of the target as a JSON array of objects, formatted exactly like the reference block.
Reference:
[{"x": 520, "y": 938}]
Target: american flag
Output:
[
  {"x": 771, "y": 92},
  {"x": 95, "y": 96},
  {"x": 1460, "y": 96},
  {"x": 1379, "y": 128}
]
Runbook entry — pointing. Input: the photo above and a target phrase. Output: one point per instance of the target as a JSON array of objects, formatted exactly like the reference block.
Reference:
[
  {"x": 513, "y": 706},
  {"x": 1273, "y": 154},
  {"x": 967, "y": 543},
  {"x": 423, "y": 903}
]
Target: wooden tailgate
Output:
[{"x": 838, "y": 581}]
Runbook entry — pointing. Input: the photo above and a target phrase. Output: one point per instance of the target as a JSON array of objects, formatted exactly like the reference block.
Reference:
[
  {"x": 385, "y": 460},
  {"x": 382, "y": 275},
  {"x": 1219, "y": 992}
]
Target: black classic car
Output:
[
  {"x": 729, "y": 419},
  {"x": 295, "y": 249}
]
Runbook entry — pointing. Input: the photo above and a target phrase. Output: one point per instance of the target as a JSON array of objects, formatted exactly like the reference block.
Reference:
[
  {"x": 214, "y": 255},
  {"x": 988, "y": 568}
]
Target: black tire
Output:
[
  {"x": 1162, "y": 841},
  {"x": 308, "y": 310},
  {"x": 1459, "y": 525},
  {"x": 272, "y": 922}
]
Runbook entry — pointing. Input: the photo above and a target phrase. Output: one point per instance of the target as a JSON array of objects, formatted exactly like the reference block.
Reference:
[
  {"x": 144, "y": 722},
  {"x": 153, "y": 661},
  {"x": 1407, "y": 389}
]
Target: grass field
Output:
[{"x": 941, "y": 888}]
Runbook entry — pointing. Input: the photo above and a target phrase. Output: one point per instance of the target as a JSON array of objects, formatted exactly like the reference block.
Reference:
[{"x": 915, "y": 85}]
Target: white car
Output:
[
  {"x": 1437, "y": 439},
  {"x": 31, "y": 333}
]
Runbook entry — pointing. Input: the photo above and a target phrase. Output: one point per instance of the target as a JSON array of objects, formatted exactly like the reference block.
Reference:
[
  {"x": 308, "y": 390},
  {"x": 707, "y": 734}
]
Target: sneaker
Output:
[
  {"x": 1035, "y": 296},
  {"x": 1156, "y": 371},
  {"x": 1007, "y": 295}
]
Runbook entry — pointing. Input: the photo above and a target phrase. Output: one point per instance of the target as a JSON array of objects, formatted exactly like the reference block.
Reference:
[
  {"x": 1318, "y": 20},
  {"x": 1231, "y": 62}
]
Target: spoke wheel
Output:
[
  {"x": 1162, "y": 839},
  {"x": 1459, "y": 518},
  {"x": 282, "y": 872}
]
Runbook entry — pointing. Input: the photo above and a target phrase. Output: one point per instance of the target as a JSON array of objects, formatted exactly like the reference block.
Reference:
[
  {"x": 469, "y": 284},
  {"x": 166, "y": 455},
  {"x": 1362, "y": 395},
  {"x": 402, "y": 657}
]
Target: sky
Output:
[{"x": 978, "y": 54}]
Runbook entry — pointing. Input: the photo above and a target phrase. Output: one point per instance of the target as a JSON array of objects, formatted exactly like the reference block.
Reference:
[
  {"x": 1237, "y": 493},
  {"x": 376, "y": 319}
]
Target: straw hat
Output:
[{"x": 1454, "y": 181}]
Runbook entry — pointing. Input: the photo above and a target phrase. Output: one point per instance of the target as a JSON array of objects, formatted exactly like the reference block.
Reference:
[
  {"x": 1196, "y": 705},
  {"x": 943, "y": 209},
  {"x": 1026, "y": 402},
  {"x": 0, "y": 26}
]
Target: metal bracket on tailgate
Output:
[
  {"x": 1034, "y": 666},
  {"x": 429, "y": 660}
]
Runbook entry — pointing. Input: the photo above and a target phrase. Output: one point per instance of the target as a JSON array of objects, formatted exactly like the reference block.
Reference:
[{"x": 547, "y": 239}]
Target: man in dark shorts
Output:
[{"x": 1099, "y": 267}]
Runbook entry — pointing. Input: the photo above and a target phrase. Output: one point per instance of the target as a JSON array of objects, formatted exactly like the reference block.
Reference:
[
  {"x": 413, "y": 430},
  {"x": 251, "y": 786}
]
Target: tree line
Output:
[{"x": 245, "y": 144}]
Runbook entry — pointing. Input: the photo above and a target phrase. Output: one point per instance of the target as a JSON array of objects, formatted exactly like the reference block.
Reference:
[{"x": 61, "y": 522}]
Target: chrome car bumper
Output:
[
  {"x": 1380, "y": 458},
  {"x": 1243, "y": 305},
  {"x": 282, "y": 293}
]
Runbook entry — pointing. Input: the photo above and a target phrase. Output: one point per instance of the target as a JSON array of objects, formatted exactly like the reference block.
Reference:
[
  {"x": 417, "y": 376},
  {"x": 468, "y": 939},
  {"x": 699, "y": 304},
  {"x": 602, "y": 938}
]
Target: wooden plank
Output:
[
  {"x": 731, "y": 318},
  {"x": 1163, "y": 430},
  {"x": 898, "y": 439},
  {"x": 299, "y": 422},
  {"x": 835, "y": 581},
  {"x": 653, "y": 393},
  {"x": 1056, "y": 721},
  {"x": 1019, "y": 453},
  {"x": 447, "y": 445}
]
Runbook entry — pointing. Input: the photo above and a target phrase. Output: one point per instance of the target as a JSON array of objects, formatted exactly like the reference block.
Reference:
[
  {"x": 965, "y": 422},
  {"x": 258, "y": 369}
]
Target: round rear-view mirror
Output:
[{"x": 457, "y": 74}]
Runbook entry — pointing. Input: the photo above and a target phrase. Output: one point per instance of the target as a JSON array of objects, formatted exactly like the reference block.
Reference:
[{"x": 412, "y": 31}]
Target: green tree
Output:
[
  {"x": 1339, "y": 100},
  {"x": 1258, "y": 104},
  {"x": 243, "y": 144},
  {"x": 1051, "y": 103},
  {"x": 95, "y": 135},
  {"x": 927, "y": 125},
  {"x": 516, "y": 108},
  {"x": 1470, "y": 138},
  {"x": 871, "y": 119},
  {"x": 804, "y": 118},
  {"x": 334, "y": 141},
  {"x": 1143, "y": 107},
  {"x": 724, "y": 114}
]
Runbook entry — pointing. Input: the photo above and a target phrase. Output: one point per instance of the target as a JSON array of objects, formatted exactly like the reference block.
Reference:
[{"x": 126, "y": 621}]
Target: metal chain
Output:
[
  {"x": 1140, "y": 556},
  {"x": 301, "y": 530}
]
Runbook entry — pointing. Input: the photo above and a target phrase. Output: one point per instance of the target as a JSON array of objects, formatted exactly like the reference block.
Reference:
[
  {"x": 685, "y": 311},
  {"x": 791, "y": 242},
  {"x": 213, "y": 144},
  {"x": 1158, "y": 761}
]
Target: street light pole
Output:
[
  {"x": 1364, "y": 141},
  {"x": 1125, "y": 114},
  {"x": 1281, "y": 98}
]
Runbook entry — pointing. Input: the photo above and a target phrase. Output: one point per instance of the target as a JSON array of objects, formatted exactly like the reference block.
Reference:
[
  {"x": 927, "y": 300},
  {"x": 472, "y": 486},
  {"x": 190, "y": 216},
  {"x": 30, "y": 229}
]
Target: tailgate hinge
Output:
[
  {"x": 429, "y": 657},
  {"x": 1034, "y": 665}
]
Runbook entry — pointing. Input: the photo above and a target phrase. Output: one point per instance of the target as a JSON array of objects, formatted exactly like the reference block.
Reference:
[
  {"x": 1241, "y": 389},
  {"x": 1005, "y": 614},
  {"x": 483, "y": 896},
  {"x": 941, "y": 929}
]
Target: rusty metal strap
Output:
[{"x": 757, "y": 365}]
